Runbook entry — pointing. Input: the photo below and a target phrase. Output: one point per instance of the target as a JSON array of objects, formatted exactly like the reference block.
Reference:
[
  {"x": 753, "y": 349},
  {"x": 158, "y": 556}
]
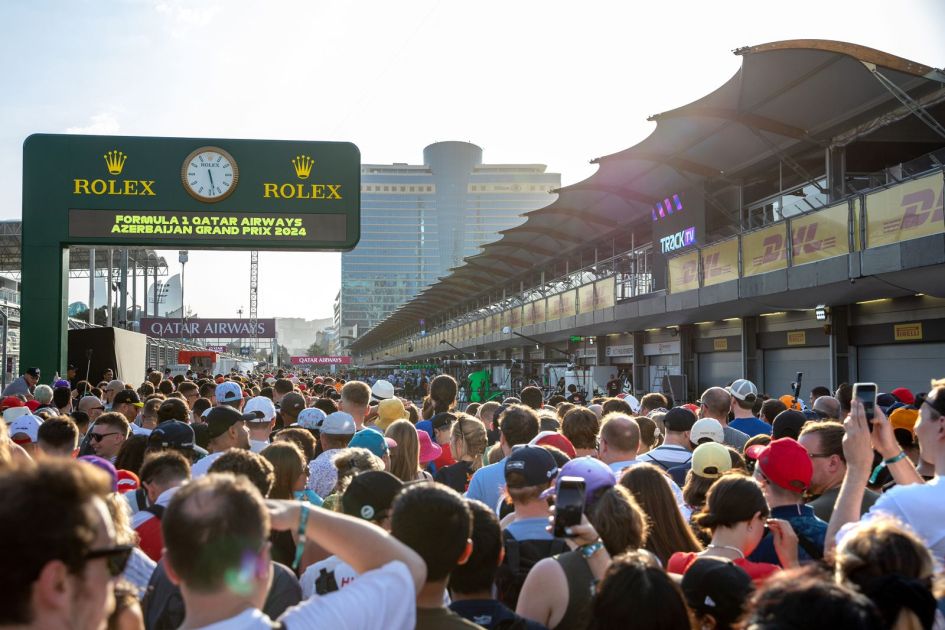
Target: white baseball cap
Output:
[
  {"x": 25, "y": 425},
  {"x": 707, "y": 428},
  {"x": 311, "y": 418},
  {"x": 742, "y": 389},
  {"x": 338, "y": 423},
  {"x": 382, "y": 390},
  {"x": 13, "y": 413},
  {"x": 263, "y": 407}
]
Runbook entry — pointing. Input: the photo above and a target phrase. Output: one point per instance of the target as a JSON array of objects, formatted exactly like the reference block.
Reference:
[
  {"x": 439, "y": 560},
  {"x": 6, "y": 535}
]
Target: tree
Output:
[{"x": 315, "y": 350}]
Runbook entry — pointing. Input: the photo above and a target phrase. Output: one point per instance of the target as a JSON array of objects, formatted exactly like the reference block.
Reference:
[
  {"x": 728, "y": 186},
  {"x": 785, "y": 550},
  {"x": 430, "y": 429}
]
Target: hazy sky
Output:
[{"x": 551, "y": 82}]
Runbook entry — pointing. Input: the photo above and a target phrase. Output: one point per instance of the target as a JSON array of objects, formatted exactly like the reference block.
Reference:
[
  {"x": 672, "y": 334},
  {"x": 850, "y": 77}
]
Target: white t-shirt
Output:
[
  {"x": 921, "y": 507},
  {"x": 257, "y": 446},
  {"x": 200, "y": 468},
  {"x": 344, "y": 575},
  {"x": 137, "y": 430}
]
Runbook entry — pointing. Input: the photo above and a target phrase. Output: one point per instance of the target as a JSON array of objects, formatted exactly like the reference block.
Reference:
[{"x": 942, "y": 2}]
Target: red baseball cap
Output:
[
  {"x": 127, "y": 481},
  {"x": 11, "y": 401},
  {"x": 903, "y": 395},
  {"x": 553, "y": 438},
  {"x": 785, "y": 463}
]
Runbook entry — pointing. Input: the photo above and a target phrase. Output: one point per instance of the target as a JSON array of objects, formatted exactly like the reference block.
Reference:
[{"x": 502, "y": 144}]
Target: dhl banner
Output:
[
  {"x": 477, "y": 328},
  {"x": 528, "y": 314},
  {"x": 515, "y": 317},
  {"x": 684, "y": 272},
  {"x": 586, "y": 298},
  {"x": 538, "y": 311},
  {"x": 720, "y": 262},
  {"x": 604, "y": 293},
  {"x": 906, "y": 211},
  {"x": 554, "y": 307},
  {"x": 504, "y": 320},
  {"x": 569, "y": 304},
  {"x": 820, "y": 235},
  {"x": 764, "y": 250}
]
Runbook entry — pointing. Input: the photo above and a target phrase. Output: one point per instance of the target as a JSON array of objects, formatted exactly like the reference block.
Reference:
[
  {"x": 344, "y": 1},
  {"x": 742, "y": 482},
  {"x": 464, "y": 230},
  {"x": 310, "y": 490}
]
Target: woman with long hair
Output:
[
  {"x": 669, "y": 533},
  {"x": 736, "y": 513},
  {"x": 636, "y": 593},
  {"x": 442, "y": 396},
  {"x": 468, "y": 442},
  {"x": 405, "y": 457},
  {"x": 290, "y": 468}
]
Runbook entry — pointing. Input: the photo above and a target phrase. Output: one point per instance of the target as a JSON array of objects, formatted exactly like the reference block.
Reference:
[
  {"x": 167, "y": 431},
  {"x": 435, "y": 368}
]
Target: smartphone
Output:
[
  {"x": 866, "y": 394},
  {"x": 569, "y": 505}
]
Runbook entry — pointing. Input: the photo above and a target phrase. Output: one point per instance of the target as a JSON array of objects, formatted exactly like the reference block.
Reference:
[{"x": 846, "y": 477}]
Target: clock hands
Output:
[{"x": 210, "y": 173}]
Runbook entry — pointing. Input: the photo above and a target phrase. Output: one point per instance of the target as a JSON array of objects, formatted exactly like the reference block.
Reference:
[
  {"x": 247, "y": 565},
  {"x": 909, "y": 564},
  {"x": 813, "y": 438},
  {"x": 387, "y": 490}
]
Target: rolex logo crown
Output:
[
  {"x": 115, "y": 161},
  {"x": 303, "y": 166}
]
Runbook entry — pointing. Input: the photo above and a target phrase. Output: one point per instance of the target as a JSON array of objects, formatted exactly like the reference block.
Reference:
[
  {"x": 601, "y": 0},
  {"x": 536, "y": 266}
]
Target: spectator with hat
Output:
[
  {"x": 13, "y": 407},
  {"x": 788, "y": 424},
  {"x": 784, "y": 470},
  {"x": 382, "y": 390},
  {"x": 229, "y": 394},
  {"x": 290, "y": 407},
  {"x": 127, "y": 403},
  {"x": 226, "y": 429},
  {"x": 429, "y": 451},
  {"x": 369, "y": 497},
  {"x": 556, "y": 440},
  {"x": 518, "y": 424},
  {"x": 262, "y": 414},
  {"x": 717, "y": 402},
  {"x": 24, "y": 432},
  {"x": 676, "y": 449},
  {"x": 529, "y": 471},
  {"x": 375, "y": 442},
  {"x": 389, "y": 411},
  {"x": 824, "y": 443},
  {"x": 23, "y": 386},
  {"x": 335, "y": 433},
  {"x": 744, "y": 396},
  {"x": 178, "y": 436},
  {"x": 111, "y": 388},
  {"x": 717, "y": 592}
]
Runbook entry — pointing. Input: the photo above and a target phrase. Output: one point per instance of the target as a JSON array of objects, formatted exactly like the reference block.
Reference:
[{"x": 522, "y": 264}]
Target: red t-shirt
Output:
[
  {"x": 445, "y": 459},
  {"x": 758, "y": 571},
  {"x": 151, "y": 538}
]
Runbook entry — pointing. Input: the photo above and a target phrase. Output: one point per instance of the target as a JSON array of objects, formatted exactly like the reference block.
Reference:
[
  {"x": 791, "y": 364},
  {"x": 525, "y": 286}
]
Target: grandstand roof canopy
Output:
[
  {"x": 11, "y": 251},
  {"x": 787, "y": 97}
]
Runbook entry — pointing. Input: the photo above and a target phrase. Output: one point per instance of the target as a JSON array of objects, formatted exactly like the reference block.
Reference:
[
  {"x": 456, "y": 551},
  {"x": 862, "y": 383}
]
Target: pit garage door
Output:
[
  {"x": 718, "y": 369},
  {"x": 909, "y": 365},
  {"x": 783, "y": 364}
]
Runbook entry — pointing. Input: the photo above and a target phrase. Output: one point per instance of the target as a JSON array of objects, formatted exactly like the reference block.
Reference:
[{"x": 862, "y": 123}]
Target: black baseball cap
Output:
[
  {"x": 679, "y": 419},
  {"x": 33, "y": 371},
  {"x": 292, "y": 403},
  {"x": 442, "y": 419},
  {"x": 220, "y": 419},
  {"x": 536, "y": 465},
  {"x": 129, "y": 396},
  {"x": 370, "y": 495},
  {"x": 174, "y": 434},
  {"x": 717, "y": 587}
]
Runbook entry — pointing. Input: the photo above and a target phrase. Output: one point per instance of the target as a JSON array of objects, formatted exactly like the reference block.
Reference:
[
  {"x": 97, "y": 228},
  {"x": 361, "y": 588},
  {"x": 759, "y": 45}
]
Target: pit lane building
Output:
[{"x": 790, "y": 221}]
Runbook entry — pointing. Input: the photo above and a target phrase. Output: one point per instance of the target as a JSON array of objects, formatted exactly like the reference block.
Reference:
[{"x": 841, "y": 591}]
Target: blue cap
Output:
[
  {"x": 228, "y": 391},
  {"x": 536, "y": 465},
  {"x": 372, "y": 441}
]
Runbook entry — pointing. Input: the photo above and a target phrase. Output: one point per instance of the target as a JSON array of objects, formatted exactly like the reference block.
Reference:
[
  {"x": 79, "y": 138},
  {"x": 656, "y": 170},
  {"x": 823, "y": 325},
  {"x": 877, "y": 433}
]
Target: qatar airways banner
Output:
[
  {"x": 321, "y": 360},
  {"x": 196, "y": 328}
]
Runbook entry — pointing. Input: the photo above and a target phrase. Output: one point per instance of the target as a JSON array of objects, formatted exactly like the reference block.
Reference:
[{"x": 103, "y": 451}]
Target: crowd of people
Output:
[{"x": 297, "y": 500}]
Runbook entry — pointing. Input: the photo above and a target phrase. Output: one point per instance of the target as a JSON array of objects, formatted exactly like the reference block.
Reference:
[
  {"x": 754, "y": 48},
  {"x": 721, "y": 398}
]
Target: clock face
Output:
[{"x": 210, "y": 174}]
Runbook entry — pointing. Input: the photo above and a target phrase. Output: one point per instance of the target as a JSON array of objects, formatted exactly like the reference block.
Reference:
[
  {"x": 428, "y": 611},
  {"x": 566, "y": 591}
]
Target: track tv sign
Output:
[{"x": 678, "y": 240}]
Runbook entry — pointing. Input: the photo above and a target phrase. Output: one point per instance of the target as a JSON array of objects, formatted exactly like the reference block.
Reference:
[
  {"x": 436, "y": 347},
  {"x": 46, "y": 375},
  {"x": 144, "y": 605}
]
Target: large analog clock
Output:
[{"x": 210, "y": 174}]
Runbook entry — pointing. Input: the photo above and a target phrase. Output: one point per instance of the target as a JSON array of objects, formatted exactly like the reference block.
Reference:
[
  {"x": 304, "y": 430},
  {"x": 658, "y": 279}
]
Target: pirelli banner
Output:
[
  {"x": 909, "y": 210},
  {"x": 820, "y": 235},
  {"x": 683, "y": 272}
]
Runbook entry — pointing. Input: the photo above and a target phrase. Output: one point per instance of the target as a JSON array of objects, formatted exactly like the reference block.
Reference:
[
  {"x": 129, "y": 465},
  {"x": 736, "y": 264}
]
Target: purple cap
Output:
[
  {"x": 62, "y": 383},
  {"x": 595, "y": 473},
  {"x": 105, "y": 465}
]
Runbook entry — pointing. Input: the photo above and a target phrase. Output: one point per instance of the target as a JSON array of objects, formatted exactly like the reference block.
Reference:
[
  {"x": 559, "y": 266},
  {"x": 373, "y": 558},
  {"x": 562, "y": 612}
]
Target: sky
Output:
[{"x": 557, "y": 83}]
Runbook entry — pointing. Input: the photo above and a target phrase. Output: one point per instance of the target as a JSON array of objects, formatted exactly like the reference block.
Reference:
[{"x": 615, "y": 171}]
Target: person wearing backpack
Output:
[
  {"x": 529, "y": 471},
  {"x": 470, "y": 585},
  {"x": 162, "y": 474},
  {"x": 676, "y": 449}
]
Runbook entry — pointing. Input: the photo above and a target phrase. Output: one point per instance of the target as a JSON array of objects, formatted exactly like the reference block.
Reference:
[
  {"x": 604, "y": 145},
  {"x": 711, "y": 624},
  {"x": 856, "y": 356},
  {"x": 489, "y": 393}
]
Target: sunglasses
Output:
[
  {"x": 116, "y": 558},
  {"x": 98, "y": 437}
]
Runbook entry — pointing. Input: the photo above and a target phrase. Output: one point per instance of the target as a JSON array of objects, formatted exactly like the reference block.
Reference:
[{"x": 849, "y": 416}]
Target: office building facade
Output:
[{"x": 418, "y": 221}]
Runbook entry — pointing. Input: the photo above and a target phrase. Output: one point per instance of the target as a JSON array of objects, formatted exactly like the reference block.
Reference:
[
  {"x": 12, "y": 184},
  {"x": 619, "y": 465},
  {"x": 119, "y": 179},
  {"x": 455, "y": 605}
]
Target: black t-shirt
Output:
[
  {"x": 576, "y": 398},
  {"x": 456, "y": 476},
  {"x": 613, "y": 387},
  {"x": 489, "y": 614}
]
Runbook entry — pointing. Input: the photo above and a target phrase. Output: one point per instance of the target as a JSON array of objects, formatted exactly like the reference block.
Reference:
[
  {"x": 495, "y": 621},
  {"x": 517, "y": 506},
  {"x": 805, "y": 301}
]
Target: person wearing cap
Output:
[
  {"x": 229, "y": 394},
  {"x": 442, "y": 430},
  {"x": 23, "y": 386},
  {"x": 176, "y": 435},
  {"x": 824, "y": 443},
  {"x": 127, "y": 403},
  {"x": 58, "y": 437},
  {"x": 161, "y": 476},
  {"x": 903, "y": 421},
  {"x": 619, "y": 442},
  {"x": 24, "y": 432},
  {"x": 827, "y": 407},
  {"x": 382, "y": 390},
  {"x": 356, "y": 401},
  {"x": 744, "y": 396},
  {"x": 388, "y": 412},
  {"x": 335, "y": 433},
  {"x": 784, "y": 470},
  {"x": 716, "y": 403},
  {"x": 263, "y": 416},
  {"x": 676, "y": 449},
  {"x": 290, "y": 407},
  {"x": 918, "y": 503},
  {"x": 717, "y": 592},
  {"x": 226, "y": 428},
  {"x": 369, "y": 497},
  {"x": 375, "y": 442},
  {"x": 517, "y": 425},
  {"x": 703, "y": 431},
  {"x": 788, "y": 424},
  {"x": 529, "y": 471},
  {"x": 113, "y": 387}
]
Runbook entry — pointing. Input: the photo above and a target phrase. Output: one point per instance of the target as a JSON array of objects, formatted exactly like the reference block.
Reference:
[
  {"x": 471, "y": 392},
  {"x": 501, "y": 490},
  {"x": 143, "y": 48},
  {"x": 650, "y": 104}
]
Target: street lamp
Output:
[{"x": 182, "y": 257}]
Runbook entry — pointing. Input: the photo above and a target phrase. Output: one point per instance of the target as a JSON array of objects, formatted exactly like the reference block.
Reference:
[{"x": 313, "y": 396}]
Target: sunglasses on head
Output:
[{"x": 116, "y": 558}]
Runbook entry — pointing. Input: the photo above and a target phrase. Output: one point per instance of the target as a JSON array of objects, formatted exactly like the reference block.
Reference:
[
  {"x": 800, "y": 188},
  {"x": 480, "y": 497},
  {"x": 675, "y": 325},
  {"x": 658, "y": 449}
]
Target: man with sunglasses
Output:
[
  {"x": 108, "y": 434},
  {"x": 58, "y": 546},
  {"x": 915, "y": 502}
]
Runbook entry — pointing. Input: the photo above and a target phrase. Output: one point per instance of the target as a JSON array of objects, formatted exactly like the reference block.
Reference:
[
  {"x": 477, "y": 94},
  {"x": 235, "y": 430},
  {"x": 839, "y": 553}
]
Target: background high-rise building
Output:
[{"x": 418, "y": 221}]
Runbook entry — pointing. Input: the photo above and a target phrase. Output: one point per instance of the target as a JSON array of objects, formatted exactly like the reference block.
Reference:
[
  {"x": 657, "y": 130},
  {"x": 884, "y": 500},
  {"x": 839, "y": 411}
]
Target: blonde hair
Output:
[
  {"x": 352, "y": 461},
  {"x": 405, "y": 457},
  {"x": 120, "y": 512},
  {"x": 470, "y": 432}
]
